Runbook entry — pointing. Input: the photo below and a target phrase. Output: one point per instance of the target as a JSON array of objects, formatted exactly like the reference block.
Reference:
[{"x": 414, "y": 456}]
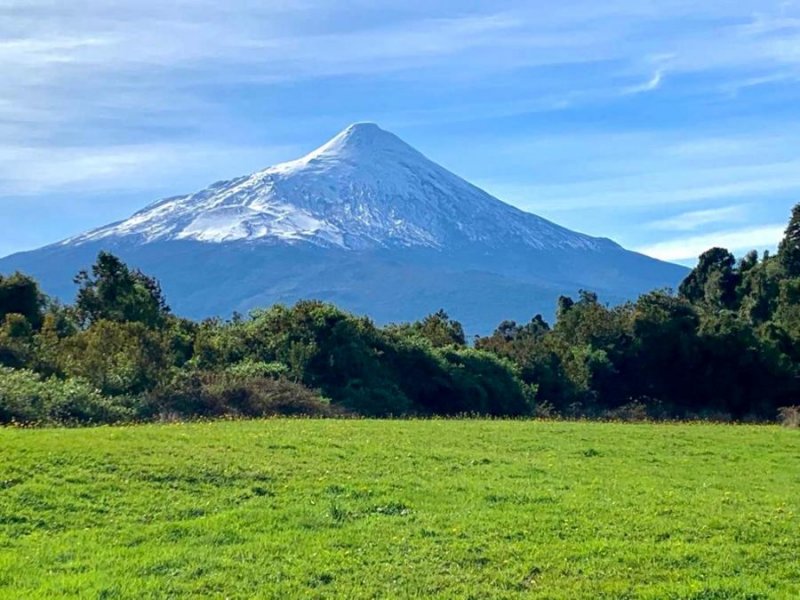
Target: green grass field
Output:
[{"x": 397, "y": 509}]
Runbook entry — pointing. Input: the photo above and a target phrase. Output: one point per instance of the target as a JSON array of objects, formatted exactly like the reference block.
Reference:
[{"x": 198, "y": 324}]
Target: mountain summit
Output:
[
  {"x": 365, "y": 188},
  {"x": 365, "y": 221}
]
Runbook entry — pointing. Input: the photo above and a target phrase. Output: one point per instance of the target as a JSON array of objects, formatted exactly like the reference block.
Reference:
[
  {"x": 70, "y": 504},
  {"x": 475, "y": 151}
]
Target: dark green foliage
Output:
[
  {"x": 789, "y": 250},
  {"x": 564, "y": 305},
  {"x": 661, "y": 362},
  {"x": 480, "y": 383},
  {"x": 726, "y": 346},
  {"x": 19, "y": 294},
  {"x": 759, "y": 289},
  {"x": 16, "y": 340},
  {"x": 215, "y": 394},
  {"x": 408, "y": 369},
  {"x": 438, "y": 328},
  {"x": 326, "y": 349},
  {"x": 509, "y": 331},
  {"x": 117, "y": 358},
  {"x": 113, "y": 292},
  {"x": 713, "y": 282}
]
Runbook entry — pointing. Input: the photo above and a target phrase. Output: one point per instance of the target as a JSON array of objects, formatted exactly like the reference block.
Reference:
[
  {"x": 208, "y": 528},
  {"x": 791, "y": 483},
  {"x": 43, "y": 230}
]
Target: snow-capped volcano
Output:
[
  {"x": 366, "y": 222},
  {"x": 365, "y": 188}
]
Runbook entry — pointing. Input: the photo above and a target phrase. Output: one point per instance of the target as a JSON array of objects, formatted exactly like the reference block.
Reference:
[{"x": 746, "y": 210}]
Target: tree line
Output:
[{"x": 725, "y": 345}]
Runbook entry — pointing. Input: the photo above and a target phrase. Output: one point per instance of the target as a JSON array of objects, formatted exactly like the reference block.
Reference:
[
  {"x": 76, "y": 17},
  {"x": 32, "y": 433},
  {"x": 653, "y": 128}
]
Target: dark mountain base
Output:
[{"x": 203, "y": 280}]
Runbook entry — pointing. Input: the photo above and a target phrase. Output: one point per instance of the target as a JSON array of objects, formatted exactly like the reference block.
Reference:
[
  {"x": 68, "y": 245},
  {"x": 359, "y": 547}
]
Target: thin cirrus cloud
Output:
[
  {"x": 284, "y": 43},
  {"x": 737, "y": 240},
  {"x": 689, "y": 221},
  {"x": 29, "y": 171},
  {"x": 651, "y": 84},
  {"x": 560, "y": 198},
  {"x": 109, "y": 95}
]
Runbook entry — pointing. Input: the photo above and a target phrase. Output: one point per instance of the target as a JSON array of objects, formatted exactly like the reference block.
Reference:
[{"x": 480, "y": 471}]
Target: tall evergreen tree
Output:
[{"x": 789, "y": 249}]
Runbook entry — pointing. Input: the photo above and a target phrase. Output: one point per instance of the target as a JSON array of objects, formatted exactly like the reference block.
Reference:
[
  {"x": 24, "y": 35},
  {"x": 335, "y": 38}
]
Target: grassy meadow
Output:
[{"x": 401, "y": 509}]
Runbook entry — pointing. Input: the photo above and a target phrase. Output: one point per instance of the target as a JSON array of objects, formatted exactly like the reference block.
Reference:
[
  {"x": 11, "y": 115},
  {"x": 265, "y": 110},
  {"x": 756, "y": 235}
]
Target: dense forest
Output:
[{"x": 725, "y": 345}]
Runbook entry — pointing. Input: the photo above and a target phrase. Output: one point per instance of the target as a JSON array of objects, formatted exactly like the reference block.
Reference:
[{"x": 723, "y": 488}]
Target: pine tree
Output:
[{"x": 789, "y": 249}]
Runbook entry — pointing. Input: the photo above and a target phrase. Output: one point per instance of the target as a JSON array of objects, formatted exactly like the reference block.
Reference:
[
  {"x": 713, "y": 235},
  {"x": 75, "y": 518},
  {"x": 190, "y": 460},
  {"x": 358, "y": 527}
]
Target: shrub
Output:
[
  {"x": 789, "y": 416},
  {"x": 16, "y": 337},
  {"x": 251, "y": 368},
  {"x": 27, "y": 398},
  {"x": 20, "y": 294},
  {"x": 544, "y": 410},
  {"x": 213, "y": 394},
  {"x": 117, "y": 358},
  {"x": 485, "y": 384},
  {"x": 633, "y": 412}
]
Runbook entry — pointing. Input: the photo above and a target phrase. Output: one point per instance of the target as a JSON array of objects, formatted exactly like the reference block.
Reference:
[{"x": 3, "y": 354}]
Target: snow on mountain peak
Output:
[
  {"x": 359, "y": 145},
  {"x": 365, "y": 188},
  {"x": 363, "y": 136}
]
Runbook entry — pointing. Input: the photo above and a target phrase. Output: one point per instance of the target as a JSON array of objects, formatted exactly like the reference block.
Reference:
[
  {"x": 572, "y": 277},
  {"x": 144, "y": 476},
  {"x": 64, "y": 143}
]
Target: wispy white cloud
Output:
[
  {"x": 689, "y": 221},
  {"x": 734, "y": 87},
  {"x": 655, "y": 188},
  {"x": 58, "y": 56},
  {"x": 34, "y": 170},
  {"x": 644, "y": 169},
  {"x": 648, "y": 86},
  {"x": 116, "y": 94},
  {"x": 738, "y": 240}
]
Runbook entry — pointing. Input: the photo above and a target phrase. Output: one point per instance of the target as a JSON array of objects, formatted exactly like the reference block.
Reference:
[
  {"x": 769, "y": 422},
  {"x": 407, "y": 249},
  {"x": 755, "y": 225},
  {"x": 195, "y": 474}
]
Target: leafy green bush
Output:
[
  {"x": 27, "y": 398},
  {"x": 20, "y": 294},
  {"x": 487, "y": 384},
  {"x": 252, "y": 368},
  {"x": 726, "y": 346},
  {"x": 16, "y": 340},
  {"x": 215, "y": 394},
  {"x": 117, "y": 358}
]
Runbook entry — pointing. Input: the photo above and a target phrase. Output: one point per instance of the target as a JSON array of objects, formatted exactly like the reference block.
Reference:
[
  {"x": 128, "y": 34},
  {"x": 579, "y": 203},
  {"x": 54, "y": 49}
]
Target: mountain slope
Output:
[
  {"x": 365, "y": 188},
  {"x": 365, "y": 221}
]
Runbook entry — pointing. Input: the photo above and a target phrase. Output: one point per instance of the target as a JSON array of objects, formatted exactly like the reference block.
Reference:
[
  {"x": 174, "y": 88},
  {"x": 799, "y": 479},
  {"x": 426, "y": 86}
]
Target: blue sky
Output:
[{"x": 670, "y": 126}]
